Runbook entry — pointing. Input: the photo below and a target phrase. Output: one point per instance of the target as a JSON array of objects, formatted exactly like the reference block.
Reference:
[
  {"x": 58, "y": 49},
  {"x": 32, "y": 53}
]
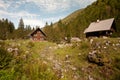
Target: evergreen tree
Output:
[
  {"x": 21, "y": 24},
  {"x": 21, "y": 30},
  {"x": 6, "y": 29}
]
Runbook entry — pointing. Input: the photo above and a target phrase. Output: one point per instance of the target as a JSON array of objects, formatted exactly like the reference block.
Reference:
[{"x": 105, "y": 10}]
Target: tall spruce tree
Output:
[
  {"x": 21, "y": 24},
  {"x": 21, "y": 29}
]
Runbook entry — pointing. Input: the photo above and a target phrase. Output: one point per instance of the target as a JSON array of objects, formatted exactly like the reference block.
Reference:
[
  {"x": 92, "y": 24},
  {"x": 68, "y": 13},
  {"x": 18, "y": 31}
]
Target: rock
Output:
[
  {"x": 50, "y": 58},
  {"x": 75, "y": 39},
  {"x": 50, "y": 47},
  {"x": 68, "y": 45},
  {"x": 13, "y": 50},
  {"x": 19, "y": 44},
  {"x": 98, "y": 44},
  {"x": 60, "y": 46},
  {"x": 91, "y": 57},
  {"x": 26, "y": 51},
  {"x": 9, "y": 49},
  {"x": 105, "y": 37},
  {"x": 57, "y": 66},
  {"x": 24, "y": 57},
  {"x": 105, "y": 47},
  {"x": 99, "y": 47},
  {"x": 79, "y": 54},
  {"x": 74, "y": 68},
  {"x": 107, "y": 43},
  {"x": 113, "y": 44},
  {"x": 55, "y": 47},
  {"x": 96, "y": 58},
  {"x": 59, "y": 73},
  {"x": 119, "y": 41},
  {"x": 82, "y": 69},
  {"x": 90, "y": 78},
  {"x": 16, "y": 49},
  {"x": 93, "y": 52},
  {"x": 65, "y": 70},
  {"x": 62, "y": 76},
  {"x": 75, "y": 77},
  {"x": 67, "y": 57},
  {"x": 118, "y": 45},
  {"x": 44, "y": 62},
  {"x": 67, "y": 62},
  {"x": 91, "y": 41},
  {"x": 115, "y": 49},
  {"x": 42, "y": 55}
]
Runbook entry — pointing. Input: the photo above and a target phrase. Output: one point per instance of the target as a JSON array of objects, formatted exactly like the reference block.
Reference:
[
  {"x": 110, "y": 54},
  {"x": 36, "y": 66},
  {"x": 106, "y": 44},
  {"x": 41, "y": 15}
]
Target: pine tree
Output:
[
  {"x": 21, "y": 24},
  {"x": 21, "y": 30},
  {"x": 6, "y": 29}
]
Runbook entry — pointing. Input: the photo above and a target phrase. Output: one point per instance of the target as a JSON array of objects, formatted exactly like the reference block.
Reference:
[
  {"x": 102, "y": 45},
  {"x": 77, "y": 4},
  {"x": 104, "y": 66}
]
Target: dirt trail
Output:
[{"x": 60, "y": 67}]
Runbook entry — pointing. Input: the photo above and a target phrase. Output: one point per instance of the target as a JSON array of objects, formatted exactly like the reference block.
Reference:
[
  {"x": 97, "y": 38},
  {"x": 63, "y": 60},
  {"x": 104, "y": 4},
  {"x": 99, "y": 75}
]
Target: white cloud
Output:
[
  {"x": 4, "y": 5},
  {"x": 41, "y": 22},
  {"x": 53, "y": 19},
  {"x": 45, "y": 5},
  {"x": 34, "y": 22},
  {"x": 83, "y": 3},
  {"x": 29, "y": 19},
  {"x": 24, "y": 14},
  {"x": 48, "y": 5},
  {"x": 18, "y": 14},
  {"x": 53, "y": 5}
]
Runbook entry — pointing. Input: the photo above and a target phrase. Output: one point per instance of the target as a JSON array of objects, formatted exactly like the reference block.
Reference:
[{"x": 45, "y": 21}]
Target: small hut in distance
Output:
[
  {"x": 38, "y": 35},
  {"x": 101, "y": 28}
]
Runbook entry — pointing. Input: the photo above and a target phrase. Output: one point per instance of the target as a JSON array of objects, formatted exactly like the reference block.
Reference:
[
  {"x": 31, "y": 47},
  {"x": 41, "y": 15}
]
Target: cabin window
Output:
[
  {"x": 35, "y": 34},
  {"x": 41, "y": 39},
  {"x": 35, "y": 39}
]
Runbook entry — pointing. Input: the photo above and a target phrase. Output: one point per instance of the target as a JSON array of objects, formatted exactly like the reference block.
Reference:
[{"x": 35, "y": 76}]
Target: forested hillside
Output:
[
  {"x": 75, "y": 24},
  {"x": 8, "y": 31}
]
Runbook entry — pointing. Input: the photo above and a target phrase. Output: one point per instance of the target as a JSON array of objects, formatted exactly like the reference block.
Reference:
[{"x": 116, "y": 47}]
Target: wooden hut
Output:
[
  {"x": 38, "y": 35},
  {"x": 101, "y": 28}
]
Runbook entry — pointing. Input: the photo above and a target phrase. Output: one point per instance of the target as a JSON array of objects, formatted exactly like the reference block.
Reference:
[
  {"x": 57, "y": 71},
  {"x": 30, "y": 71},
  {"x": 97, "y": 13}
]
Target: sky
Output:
[{"x": 38, "y": 12}]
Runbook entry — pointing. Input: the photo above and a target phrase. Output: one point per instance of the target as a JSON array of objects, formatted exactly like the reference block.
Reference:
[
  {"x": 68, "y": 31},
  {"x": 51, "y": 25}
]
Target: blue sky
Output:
[{"x": 38, "y": 12}]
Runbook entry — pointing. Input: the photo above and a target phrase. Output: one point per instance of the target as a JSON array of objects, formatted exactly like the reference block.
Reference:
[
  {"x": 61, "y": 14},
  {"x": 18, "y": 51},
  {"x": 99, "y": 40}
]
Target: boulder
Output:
[{"x": 96, "y": 58}]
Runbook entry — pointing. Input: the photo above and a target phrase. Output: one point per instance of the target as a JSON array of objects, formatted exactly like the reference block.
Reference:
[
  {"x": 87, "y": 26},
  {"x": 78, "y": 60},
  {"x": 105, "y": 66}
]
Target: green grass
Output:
[{"x": 31, "y": 65}]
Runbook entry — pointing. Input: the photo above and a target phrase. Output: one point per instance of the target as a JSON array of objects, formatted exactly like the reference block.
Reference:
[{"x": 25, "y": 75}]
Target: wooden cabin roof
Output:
[
  {"x": 100, "y": 25},
  {"x": 38, "y": 29}
]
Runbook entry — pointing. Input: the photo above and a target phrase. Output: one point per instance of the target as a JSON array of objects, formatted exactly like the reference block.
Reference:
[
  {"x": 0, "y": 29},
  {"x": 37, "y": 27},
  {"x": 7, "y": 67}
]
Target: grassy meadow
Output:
[{"x": 28, "y": 60}]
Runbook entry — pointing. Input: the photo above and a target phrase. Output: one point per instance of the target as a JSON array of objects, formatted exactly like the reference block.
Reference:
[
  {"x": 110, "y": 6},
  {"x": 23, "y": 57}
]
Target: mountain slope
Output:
[
  {"x": 75, "y": 24},
  {"x": 71, "y": 16},
  {"x": 101, "y": 9}
]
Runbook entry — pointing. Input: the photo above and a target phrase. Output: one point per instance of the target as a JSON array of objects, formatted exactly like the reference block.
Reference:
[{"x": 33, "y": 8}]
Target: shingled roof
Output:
[{"x": 102, "y": 25}]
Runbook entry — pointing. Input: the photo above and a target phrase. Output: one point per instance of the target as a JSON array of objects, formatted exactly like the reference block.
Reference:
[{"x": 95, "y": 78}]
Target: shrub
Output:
[
  {"x": 2, "y": 44},
  {"x": 30, "y": 44},
  {"x": 117, "y": 62},
  {"x": 116, "y": 76},
  {"x": 84, "y": 45},
  {"x": 5, "y": 59},
  {"x": 6, "y": 75}
]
